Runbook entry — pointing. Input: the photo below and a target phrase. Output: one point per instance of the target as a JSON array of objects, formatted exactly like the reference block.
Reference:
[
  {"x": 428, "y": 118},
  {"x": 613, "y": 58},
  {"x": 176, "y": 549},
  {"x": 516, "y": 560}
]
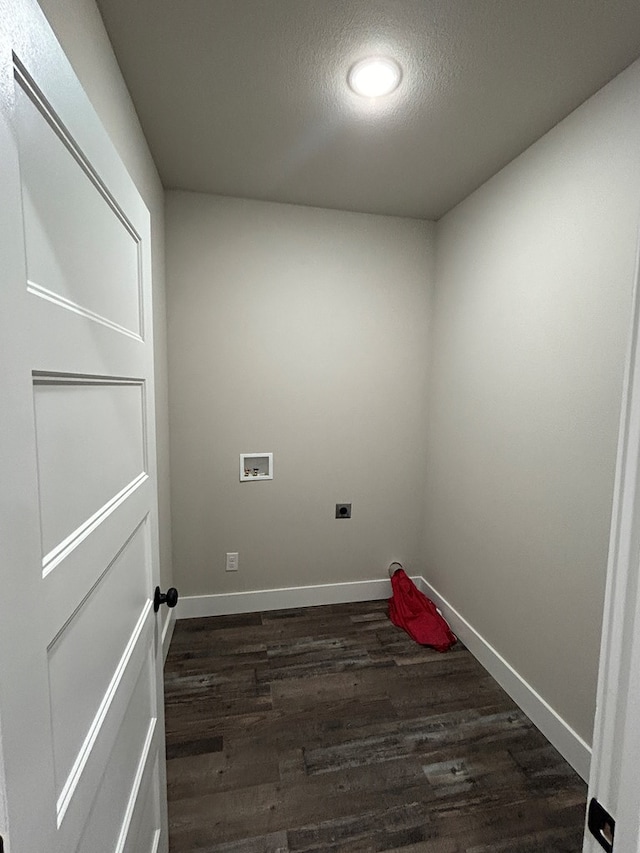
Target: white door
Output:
[{"x": 81, "y": 718}]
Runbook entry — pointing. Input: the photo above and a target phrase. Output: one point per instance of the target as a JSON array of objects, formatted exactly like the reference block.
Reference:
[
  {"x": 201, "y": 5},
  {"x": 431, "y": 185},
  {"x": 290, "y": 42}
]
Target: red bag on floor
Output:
[{"x": 412, "y": 610}]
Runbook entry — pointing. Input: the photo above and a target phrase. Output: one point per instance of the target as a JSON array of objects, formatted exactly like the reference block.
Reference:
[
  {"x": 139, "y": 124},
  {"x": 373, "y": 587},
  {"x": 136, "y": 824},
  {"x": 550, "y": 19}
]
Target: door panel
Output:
[
  {"x": 76, "y": 802},
  {"x": 90, "y": 448},
  {"x": 82, "y": 250},
  {"x": 81, "y": 709},
  {"x": 145, "y": 834},
  {"x": 78, "y": 684},
  {"x": 127, "y": 758}
]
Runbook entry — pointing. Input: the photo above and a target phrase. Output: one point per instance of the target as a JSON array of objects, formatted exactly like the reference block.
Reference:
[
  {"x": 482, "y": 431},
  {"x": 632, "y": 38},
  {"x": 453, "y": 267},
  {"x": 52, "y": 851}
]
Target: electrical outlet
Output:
[
  {"x": 232, "y": 561},
  {"x": 343, "y": 510}
]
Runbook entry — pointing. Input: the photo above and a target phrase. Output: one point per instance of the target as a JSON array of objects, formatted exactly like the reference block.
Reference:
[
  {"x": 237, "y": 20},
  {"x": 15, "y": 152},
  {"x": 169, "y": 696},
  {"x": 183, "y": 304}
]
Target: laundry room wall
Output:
[
  {"x": 302, "y": 332},
  {"x": 532, "y": 309}
]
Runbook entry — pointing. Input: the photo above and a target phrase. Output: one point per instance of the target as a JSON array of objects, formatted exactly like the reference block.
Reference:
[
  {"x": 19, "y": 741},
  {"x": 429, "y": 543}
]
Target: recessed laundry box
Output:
[{"x": 256, "y": 466}]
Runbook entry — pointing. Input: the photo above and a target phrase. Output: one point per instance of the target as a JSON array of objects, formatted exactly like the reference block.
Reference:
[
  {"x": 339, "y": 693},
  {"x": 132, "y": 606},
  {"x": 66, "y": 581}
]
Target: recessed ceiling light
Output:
[{"x": 374, "y": 77}]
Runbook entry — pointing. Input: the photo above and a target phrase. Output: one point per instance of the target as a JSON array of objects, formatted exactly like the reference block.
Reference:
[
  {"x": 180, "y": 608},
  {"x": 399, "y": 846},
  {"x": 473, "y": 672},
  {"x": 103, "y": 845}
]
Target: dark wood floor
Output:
[{"x": 328, "y": 729}]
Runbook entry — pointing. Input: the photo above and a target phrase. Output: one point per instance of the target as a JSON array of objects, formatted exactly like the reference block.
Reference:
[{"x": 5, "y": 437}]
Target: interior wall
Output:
[
  {"x": 302, "y": 332},
  {"x": 79, "y": 29},
  {"x": 530, "y": 319}
]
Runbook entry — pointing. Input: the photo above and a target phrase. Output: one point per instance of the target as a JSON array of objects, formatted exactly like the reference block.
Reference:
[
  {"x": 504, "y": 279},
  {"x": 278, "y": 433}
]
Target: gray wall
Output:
[
  {"x": 531, "y": 313},
  {"x": 79, "y": 29},
  {"x": 303, "y": 332}
]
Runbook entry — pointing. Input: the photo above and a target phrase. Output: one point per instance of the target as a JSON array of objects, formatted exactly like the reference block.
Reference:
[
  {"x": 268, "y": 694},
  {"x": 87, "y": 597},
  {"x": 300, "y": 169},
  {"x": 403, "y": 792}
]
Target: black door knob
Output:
[{"x": 170, "y": 598}]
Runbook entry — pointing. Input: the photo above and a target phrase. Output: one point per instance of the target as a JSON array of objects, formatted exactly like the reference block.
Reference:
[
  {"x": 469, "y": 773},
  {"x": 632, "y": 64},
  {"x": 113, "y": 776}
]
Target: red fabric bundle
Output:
[{"x": 412, "y": 610}]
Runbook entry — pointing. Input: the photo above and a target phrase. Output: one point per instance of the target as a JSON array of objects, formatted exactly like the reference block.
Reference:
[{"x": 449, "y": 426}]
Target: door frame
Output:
[{"x": 614, "y": 779}]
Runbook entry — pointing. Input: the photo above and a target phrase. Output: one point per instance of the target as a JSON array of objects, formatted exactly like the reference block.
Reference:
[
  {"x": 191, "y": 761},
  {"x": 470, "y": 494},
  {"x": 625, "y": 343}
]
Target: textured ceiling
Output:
[{"x": 248, "y": 97}]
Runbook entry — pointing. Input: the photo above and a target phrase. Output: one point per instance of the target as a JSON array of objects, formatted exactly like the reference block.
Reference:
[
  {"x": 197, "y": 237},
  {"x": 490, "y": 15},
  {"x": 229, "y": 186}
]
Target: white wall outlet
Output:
[{"x": 232, "y": 561}]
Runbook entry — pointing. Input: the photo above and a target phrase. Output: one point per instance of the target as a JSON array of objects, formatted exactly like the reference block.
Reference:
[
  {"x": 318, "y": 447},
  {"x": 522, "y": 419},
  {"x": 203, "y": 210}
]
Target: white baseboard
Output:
[
  {"x": 568, "y": 743},
  {"x": 223, "y": 604},
  {"x": 167, "y": 631}
]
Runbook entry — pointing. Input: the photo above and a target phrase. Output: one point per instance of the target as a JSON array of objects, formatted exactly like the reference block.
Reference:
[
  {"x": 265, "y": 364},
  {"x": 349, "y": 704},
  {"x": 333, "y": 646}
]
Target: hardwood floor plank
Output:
[
  {"x": 275, "y": 842},
  {"x": 196, "y": 746},
  {"x": 372, "y": 830},
  {"x": 227, "y": 770}
]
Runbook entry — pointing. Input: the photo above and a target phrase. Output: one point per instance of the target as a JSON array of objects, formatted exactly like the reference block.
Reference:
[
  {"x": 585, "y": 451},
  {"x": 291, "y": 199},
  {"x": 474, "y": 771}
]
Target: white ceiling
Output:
[{"x": 248, "y": 98}]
